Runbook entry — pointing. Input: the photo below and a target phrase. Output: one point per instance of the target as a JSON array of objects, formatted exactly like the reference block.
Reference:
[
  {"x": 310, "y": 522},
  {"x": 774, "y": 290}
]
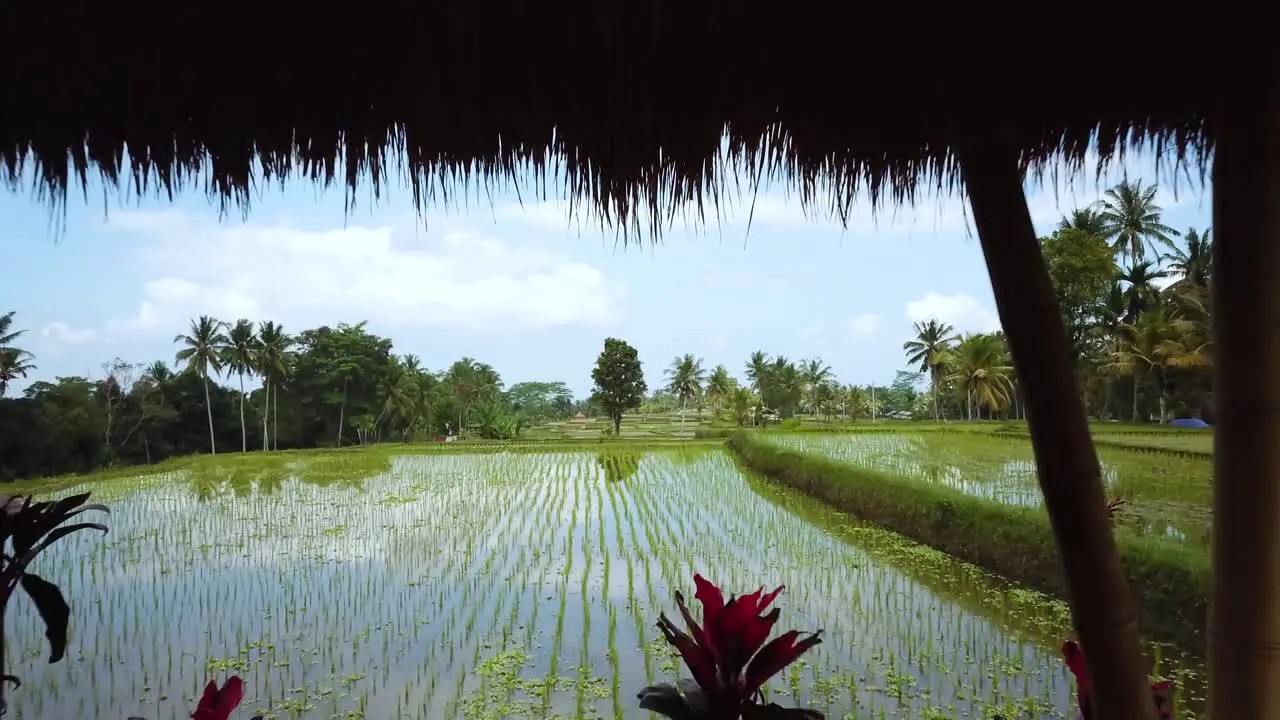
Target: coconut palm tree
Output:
[
  {"x": 14, "y": 364},
  {"x": 1088, "y": 219},
  {"x": 783, "y": 386},
  {"x": 720, "y": 386},
  {"x": 202, "y": 351},
  {"x": 1140, "y": 290},
  {"x": 816, "y": 374},
  {"x": 930, "y": 351},
  {"x": 1193, "y": 265},
  {"x": 980, "y": 366},
  {"x": 757, "y": 369},
  {"x": 240, "y": 356},
  {"x": 742, "y": 403},
  {"x": 274, "y": 352},
  {"x": 7, "y": 333},
  {"x": 684, "y": 380},
  {"x": 1160, "y": 341},
  {"x": 1132, "y": 221}
]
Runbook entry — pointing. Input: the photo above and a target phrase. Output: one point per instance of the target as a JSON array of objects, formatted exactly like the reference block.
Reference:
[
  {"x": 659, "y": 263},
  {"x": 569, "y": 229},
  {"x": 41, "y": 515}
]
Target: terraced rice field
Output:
[
  {"x": 494, "y": 586},
  {"x": 1169, "y": 493}
]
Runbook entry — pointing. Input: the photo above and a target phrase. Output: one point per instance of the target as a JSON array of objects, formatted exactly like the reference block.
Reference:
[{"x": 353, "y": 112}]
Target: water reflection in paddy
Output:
[{"x": 504, "y": 585}]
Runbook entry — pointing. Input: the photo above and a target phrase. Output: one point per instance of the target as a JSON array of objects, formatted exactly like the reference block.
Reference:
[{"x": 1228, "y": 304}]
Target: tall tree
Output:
[
  {"x": 720, "y": 387},
  {"x": 619, "y": 381},
  {"x": 202, "y": 352},
  {"x": 684, "y": 380},
  {"x": 7, "y": 333},
  {"x": 1082, "y": 267},
  {"x": 1194, "y": 264},
  {"x": 757, "y": 369},
  {"x": 1133, "y": 221},
  {"x": 14, "y": 364},
  {"x": 274, "y": 352},
  {"x": 930, "y": 351},
  {"x": 982, "y": 369},
  {"x": 240, "y": 356},
  {"x": 1088, "y": 220}
]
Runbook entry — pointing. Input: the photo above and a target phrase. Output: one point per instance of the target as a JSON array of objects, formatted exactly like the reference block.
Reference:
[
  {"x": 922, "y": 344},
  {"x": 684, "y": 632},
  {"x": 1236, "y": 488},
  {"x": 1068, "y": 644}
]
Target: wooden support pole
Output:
[
  {"x": 1244, "y": 611},
  {"x": 1102, "y": 606}
]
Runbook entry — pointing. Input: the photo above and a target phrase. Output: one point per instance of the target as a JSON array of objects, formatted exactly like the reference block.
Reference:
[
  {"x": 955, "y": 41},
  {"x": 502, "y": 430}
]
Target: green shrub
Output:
[{"x": 1170, "y": 581}]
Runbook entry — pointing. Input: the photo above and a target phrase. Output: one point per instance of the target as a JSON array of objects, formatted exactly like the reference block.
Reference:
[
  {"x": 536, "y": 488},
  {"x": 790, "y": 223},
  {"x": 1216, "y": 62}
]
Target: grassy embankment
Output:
[{"x": 943, "y": 501}]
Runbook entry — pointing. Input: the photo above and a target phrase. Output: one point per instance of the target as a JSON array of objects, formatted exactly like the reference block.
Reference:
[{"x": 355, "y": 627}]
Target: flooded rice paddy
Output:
[
  {"x": 1169, "y": 494},
  {"x": 495, "y": 586}
]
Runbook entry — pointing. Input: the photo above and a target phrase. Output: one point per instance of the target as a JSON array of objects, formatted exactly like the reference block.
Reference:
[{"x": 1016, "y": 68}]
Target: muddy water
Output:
[{"x": 509, "y": 585}]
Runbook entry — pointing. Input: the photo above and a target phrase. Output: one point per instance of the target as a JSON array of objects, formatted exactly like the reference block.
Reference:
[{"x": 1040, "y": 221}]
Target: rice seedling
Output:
[
  {"x": 1168, "y": 493},
  {"x": 511, "y": 585}
]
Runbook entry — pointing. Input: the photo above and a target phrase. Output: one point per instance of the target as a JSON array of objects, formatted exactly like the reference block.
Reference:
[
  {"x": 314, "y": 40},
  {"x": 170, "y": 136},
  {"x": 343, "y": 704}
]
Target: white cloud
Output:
[
  {"x": 395, "y": 274},
  {"x": 961, "y": 311},
  {"x": 862, "y": 327},
  {"x": 61, "y": 332}
]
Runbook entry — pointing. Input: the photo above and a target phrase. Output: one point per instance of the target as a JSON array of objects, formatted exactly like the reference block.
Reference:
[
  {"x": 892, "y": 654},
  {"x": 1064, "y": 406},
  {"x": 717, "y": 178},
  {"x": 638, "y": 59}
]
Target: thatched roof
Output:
[{"x": 632, "y": 98}]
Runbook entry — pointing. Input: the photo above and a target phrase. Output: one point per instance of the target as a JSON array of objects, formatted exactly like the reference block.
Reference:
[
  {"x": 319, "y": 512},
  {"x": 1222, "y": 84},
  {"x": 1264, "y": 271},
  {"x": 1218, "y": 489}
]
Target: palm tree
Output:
[
  {"x": 981, "y": 367},
  {"x": 1141, "y": 291},
  {"x": 472, "y": 382},
  {"x": 158, "y": 372},
  {"x": 7, "y": 333},
  {"x": 274, "y": 351},
  {"x": 783, "y": 386},
  {"x": 930, "y": 351},
  {"x": 720, "y": 387},
  {"x": 742, "y": 403},
  {"x": 1132, "y": 220},
  {"x": 1195, "y": 264},
  {"x": 1160, "y": 341},
  {"x": 757, "y": 369},
  {"x": 1087, "y": 219},
  {"x": 684, "y": 380},
  {"x": 240, "y": 356},
  {"x": 14, "y": 364},
  {"x": 816, "y": 375},
  {"x": 201, "y": 353}
]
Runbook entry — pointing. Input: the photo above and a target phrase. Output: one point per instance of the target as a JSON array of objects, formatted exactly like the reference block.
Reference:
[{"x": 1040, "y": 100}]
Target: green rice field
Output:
[
  {"x": 1169, "y": 493},
  {"x": 515, "y": 585}
]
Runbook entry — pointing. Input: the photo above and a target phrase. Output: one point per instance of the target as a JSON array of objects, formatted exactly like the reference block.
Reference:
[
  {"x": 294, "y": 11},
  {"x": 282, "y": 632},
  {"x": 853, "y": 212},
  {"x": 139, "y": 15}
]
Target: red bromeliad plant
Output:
[
  {"x": 728, "y": 659},
  {"x": 218, "y": 703},
  {"x": 1078, "y": 664}
]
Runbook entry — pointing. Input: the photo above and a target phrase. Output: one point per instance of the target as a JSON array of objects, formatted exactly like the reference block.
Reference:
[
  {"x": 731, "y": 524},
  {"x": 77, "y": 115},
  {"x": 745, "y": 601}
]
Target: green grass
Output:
[
  {"x": 414, "y": 583},
  {"x": 1168, "y": 493},
  {"x": 968, "y": 496}
]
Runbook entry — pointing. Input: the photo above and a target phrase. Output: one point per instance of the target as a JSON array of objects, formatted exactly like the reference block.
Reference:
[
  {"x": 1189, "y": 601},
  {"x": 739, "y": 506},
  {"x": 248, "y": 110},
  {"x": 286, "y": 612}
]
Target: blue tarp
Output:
[{"x": 1189, "y": 423}]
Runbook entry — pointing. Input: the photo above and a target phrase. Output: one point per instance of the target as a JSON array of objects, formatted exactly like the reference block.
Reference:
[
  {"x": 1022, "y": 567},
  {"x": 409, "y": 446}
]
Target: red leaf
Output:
[
  {"x": 711, "y": 598},
  {"x": 701, "y": 637},
  {"x": 767, "y": 600},
  {"x": 753, "y": 635},
  {"x": 218, "y": 704},
  {"x": 779, "y": 653},
  {"x": 1079, "y": 667},
  {"x": 700, "y": 663}
]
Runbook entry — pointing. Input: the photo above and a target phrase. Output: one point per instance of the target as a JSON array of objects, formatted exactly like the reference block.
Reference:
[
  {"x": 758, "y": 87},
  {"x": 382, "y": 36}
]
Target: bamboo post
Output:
[
  {"x": 1102, "y": 606},
  {"x": 1244, "y": 612}
]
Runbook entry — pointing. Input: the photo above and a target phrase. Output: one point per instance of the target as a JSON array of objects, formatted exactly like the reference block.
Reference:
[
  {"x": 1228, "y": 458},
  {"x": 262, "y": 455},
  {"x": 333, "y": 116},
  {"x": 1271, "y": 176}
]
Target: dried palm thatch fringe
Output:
[{"x": 624, "y": 106}]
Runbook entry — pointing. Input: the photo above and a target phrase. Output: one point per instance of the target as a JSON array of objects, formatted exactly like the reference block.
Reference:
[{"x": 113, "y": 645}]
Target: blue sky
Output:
[{"x": 521, "y": 287}]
